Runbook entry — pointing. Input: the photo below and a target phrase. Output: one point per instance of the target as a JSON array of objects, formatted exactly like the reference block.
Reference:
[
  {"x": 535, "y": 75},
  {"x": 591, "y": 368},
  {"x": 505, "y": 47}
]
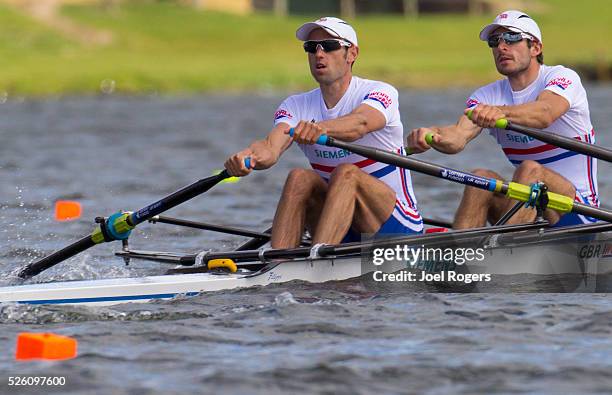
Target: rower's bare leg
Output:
[
  {"x": 302, "y": 199},
  {"x": 530, "y": 172},
  {"x": 353, "y": 198},
  {"x": 477, "y": 205}
]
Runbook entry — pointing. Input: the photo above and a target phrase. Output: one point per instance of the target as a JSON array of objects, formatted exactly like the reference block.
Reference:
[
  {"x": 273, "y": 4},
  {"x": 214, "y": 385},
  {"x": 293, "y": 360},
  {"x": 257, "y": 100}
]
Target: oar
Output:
[
  {"x": 512, "y": 190},
  {"x": 211, "y": 227},
  {"x": 119, "y": 225},
  {"x": 554, "y": 139}
]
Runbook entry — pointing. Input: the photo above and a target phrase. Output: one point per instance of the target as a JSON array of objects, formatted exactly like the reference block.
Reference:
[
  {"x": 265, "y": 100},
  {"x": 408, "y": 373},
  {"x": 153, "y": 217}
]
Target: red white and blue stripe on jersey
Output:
[
  {"x": 398, "y": 179},
  {"x": 543, "y": 154}
]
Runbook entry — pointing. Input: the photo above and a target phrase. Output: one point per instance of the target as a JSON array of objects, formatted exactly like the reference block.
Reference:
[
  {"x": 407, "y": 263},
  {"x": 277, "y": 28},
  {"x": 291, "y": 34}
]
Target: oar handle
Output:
[
  {"x": 322, "y": 140},
  {"x": 501, "y": 123},
  {"x": 428, "y": 139}
]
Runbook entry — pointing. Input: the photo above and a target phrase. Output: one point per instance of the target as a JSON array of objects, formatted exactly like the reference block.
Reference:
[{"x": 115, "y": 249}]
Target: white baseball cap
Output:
[
  {"x": 516, "y": 21},
  {"x": 334, "y": 26}
]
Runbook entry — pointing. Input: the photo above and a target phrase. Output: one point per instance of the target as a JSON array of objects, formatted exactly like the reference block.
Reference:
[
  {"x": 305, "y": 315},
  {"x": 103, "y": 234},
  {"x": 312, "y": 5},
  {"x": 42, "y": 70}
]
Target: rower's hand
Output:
[
  {"x": 235, "y": 164},
  {"x": 307, "y": 132},
  {"x": 416, "y": 143},
  {"x": 485, "y": 116}
]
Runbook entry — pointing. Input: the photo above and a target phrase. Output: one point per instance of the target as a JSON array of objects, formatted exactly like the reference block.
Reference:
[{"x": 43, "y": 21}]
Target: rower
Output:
[
  {"x": 344, "y": 194},
  {"x": 534, "y": 95}
]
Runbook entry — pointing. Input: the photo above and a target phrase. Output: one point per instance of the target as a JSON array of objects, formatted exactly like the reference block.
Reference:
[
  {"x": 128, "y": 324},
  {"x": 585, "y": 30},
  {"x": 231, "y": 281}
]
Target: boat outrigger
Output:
[{"x": 582, "y": 252}]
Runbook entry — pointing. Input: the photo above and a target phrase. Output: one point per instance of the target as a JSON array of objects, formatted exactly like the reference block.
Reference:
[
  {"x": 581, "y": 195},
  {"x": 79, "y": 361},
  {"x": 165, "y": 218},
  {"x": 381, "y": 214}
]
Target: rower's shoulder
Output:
[
  {"x": 374, "y": 84},
  {"x": 550, "y": 72}
]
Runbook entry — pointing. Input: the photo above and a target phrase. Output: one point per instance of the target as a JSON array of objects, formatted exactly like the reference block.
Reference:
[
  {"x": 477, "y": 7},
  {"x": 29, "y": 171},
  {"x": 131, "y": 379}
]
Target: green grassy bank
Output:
[{"x": 161, "y": 47}]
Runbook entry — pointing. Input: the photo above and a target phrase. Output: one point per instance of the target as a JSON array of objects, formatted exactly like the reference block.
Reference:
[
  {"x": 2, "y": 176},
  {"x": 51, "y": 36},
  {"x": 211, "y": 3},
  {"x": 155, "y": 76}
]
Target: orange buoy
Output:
[
  {"x": 47, "y": 346},
  {"x": 67, "y": 210}
]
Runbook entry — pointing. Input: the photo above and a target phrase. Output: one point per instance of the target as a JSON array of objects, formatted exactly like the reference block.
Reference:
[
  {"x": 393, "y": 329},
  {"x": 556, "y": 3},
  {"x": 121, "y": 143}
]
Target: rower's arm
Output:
[
  {"x": 262, "y": 153},
  {"x": 363, "y": 120},
  {"x": 539, "y": 114},
  {"x": 267, "y": 151},
  {"x": 449, "y": 139}
]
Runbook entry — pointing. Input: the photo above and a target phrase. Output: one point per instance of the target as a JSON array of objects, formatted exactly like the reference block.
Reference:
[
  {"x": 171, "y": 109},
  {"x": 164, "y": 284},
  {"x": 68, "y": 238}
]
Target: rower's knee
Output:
[
  {"x": 345, "y": 173},
  {"x": 478, "y": 194},
  {"x": 485, "y": 173},
  {"x": 528, "y": 171},
  {"x": 300, "y": 182}
]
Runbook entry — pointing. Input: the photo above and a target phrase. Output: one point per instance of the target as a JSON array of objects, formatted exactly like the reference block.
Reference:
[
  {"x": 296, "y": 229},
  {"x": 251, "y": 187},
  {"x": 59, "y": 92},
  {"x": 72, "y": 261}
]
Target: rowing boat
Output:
[
  {"x": 577, "y": 257},
  {"x": 122, "y": 290},
  {"x": 580, "y": 255}
]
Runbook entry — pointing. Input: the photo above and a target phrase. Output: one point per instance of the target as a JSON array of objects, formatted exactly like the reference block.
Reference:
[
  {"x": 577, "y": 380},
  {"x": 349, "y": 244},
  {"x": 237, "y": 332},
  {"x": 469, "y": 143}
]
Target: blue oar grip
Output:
[
  {"x": 247, "y": 162},
  {"x": 492, "y": 184},
  {"x": 322, "y": 140}
]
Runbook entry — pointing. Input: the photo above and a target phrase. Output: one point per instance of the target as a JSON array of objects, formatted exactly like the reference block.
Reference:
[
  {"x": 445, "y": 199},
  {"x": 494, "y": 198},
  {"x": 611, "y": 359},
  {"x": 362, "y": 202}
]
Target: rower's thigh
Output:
[
  {"x": 305, "y": 184},
  {"x": 374, "y": 200},
  {"x": 305, "y": 187},
  {"x": 530, "y": 171}
]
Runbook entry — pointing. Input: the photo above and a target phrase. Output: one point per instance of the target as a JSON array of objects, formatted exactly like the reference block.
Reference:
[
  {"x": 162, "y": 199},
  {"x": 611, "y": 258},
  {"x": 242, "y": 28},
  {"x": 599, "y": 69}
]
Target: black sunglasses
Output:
[
  {"x": 508, "y": 37},
  {"x": 330, "y": 45}
]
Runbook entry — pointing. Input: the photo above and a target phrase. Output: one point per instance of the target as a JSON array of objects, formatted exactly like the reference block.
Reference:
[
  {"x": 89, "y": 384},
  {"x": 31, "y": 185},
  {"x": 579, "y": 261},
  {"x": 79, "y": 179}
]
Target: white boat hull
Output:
[{"x": 122, "y": 290}]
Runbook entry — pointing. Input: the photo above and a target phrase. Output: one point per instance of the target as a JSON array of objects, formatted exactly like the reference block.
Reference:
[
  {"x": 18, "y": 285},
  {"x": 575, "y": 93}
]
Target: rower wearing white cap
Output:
[
  {"x": 343, "y": 194},
  {"x": 533, "y": 95}
]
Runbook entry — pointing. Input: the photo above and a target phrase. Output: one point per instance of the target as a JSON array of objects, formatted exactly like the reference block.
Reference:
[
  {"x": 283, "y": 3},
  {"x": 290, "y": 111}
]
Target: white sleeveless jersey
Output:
[
  {"x": 310, "y": 106},
  {"x": 579, "y": 169}
]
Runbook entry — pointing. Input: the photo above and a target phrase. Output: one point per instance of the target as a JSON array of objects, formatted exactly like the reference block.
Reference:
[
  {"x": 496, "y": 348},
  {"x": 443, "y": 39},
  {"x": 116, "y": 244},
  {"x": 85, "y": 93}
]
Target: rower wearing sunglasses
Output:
[
  {"x": 533, "y": 95},
  {"x": 343, "y": 194}
]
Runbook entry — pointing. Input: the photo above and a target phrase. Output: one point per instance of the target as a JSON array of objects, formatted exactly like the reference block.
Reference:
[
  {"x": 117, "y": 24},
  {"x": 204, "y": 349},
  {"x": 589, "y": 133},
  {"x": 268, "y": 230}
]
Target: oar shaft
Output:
[
  {"x": 212, "y": 227},
  {"x": 420, "y": 166},
  {"x": 511, "y": 190},
  {"x": 593, "y": 150},
  {"x": 557, "y": 140},
  {"x": 254, "y": 243},
  {"x": 176, "y": 198},
  {"x": 118, "y": 226},
  {"x": 592, "y": 211}
]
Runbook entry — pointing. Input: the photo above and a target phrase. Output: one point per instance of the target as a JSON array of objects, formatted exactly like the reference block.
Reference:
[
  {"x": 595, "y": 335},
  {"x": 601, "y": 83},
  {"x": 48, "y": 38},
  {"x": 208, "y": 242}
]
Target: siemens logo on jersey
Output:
[
  {"x": 519, "y": 139},
  {"x": 337, "y": 154}
]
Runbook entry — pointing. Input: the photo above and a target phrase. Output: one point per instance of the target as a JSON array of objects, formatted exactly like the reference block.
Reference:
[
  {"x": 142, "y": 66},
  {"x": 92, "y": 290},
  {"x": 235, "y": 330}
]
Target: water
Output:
[{"x": 114, "y": 153}]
